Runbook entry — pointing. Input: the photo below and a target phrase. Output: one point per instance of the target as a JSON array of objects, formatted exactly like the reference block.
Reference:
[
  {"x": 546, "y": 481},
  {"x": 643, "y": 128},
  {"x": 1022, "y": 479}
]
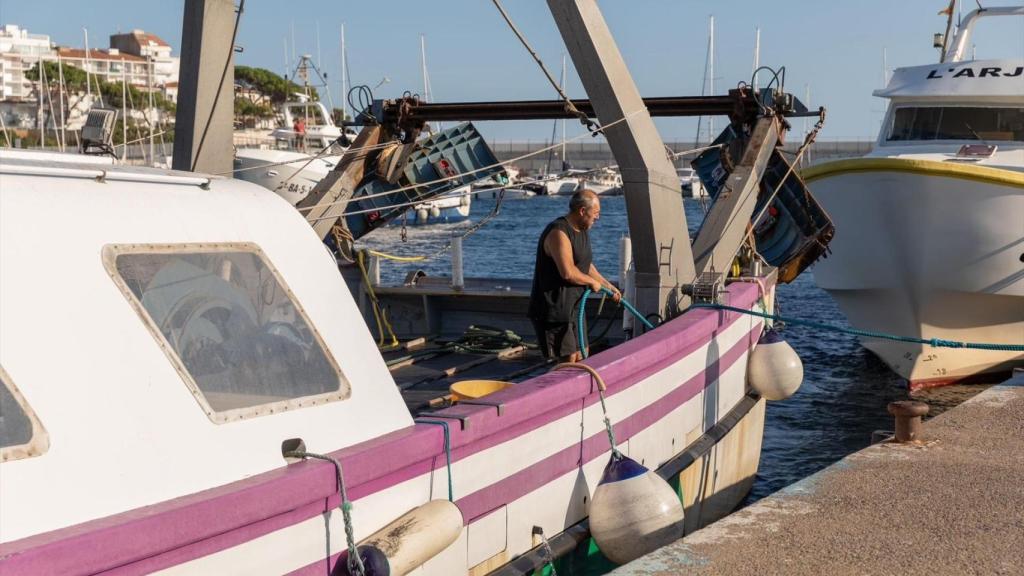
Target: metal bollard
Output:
[
  {"x": 458, "y": 282},
  {"x": 908, "y": 415},
  {"x": 374, "y": 271}
]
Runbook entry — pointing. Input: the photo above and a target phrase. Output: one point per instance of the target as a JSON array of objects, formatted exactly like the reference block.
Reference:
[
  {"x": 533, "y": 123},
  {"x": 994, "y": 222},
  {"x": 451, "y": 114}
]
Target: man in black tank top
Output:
[{"x": 564, "y": 267}]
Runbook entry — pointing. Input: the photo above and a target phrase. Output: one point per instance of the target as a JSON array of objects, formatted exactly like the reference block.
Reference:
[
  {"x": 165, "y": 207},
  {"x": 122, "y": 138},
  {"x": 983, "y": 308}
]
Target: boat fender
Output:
[
  {"x": 416, "y": 536},
  {"x": 421, "y": 216},
  {"x": 774, "y": 370},
  {"x": 634, "y": 511},
  {"x": 375, "y": 563},
  {"x": 435, "y": 212},
  {"x": 464, "y": 200}
]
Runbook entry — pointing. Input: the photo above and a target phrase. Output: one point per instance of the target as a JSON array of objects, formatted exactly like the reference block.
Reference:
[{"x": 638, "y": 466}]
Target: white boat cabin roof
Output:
[{"x": 975, "y": 80}]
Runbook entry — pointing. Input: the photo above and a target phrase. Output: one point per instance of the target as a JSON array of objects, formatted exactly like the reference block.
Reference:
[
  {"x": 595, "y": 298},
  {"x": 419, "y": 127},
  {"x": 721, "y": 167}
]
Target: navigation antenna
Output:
[{"x": 302, "y": 71}]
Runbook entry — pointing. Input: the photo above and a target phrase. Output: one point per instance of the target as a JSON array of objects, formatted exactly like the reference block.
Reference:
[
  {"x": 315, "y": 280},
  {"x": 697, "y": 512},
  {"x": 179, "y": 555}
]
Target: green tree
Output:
[
  {"x": 74, "y": 77},
  {"x": 271, "y": 85}
]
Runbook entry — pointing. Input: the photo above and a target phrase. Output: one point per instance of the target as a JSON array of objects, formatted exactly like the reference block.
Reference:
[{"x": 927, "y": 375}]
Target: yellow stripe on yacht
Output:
[{"x": 930, "y": 167}]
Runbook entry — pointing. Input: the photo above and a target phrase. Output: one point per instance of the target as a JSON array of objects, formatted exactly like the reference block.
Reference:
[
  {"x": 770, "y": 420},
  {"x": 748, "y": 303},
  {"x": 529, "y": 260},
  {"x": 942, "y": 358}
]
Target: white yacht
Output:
[
  {"x": 690, "y": 183},
  {"x": 930, "y": 225},
  {"x": 294, "y": 163}
]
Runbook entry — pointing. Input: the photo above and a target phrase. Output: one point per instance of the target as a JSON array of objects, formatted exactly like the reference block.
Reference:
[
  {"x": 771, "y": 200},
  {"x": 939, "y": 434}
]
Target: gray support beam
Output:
[
  {"x": 725, "y": 227},
  {"x": 326, "y": 203},
  {"x": 204, "y": 120},
  {"x": 654, "y": 205}
]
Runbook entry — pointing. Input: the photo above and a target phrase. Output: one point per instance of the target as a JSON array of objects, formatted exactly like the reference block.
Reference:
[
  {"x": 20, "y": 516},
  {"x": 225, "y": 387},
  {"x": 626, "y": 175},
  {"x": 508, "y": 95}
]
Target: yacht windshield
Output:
[{"x": 957, "y": 123}]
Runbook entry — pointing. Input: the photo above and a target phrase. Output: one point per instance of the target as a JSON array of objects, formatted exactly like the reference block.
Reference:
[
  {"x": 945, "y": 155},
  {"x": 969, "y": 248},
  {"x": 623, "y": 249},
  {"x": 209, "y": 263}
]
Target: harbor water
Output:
[{"x": 845, "y": 390}]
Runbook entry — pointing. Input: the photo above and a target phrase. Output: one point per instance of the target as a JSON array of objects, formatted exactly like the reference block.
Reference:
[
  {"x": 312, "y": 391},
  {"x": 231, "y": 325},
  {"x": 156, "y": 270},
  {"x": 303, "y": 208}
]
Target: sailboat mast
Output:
[
  {"x": 711, "y": 74},
  {"x": 124, "y": 113},
  {"x": 293, "y": 43},
  {"x": 40, "y": 122},
  {"x": 757, "y": 54},
  {"x": 885, "y": 67},
  {"x": 88, "y": 79},
  {"x": 60, "y": 76},
  {"x": 423, "y": 67},
  {"x": 344, "y": 88},
  {"x": 565, "y": 161}
]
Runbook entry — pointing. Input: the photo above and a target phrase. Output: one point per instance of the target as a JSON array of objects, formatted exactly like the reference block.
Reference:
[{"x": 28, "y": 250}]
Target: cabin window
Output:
[
  {"x": 231, "y": 325},
  {"x": 957, "y": 123},
  {"x": 21, "y": 434}
]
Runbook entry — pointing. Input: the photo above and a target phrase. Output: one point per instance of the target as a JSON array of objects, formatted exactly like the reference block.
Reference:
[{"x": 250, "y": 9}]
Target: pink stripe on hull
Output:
[
  {"x": 253, "y": 507},
  {"x": 539, "y": 474},
  {"x": 523, "y": 482}
]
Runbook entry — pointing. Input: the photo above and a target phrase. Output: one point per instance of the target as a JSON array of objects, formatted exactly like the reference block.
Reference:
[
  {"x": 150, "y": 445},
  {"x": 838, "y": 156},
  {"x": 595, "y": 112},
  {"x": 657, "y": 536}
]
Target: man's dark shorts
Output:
[{"x": 556, "y": 340}]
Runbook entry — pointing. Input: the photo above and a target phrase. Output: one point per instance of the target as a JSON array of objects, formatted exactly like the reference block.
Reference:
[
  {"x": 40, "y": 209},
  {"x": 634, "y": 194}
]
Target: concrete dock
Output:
[{"x": 953, "y": 504}]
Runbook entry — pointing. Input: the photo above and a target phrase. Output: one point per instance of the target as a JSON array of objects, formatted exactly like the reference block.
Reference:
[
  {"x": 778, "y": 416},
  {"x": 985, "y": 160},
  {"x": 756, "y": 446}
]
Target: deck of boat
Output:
[{"x": 424, "y": 371}]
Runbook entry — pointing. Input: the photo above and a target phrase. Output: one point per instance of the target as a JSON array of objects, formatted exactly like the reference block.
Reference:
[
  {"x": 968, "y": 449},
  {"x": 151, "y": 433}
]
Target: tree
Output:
[
  {"x": 74, "y": 77},
  {"x": 275, "y": 87}
]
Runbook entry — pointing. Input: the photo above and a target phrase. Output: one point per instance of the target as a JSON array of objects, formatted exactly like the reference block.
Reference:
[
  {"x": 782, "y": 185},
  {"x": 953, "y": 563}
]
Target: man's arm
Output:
[
  {"x": 557, "y": 245},
  {"x": 616, "y": 295}
]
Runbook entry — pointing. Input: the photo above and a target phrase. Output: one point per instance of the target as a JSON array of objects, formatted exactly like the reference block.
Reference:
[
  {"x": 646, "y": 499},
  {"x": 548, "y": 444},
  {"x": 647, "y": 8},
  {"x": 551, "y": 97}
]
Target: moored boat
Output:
[
  {"x": 931, "y": 222},
  {"x": 211, "y": 345}
]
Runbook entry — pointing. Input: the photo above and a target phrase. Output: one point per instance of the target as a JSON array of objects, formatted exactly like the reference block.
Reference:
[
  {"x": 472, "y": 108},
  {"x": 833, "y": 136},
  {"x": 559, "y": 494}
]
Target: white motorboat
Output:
[
  {"x": 451, "y": 206},
  {"x": 607, "y": 182},
  {"x": 690, "y": 183},
  {"x": 930, "y": 225},
  {"x": 295, "y": 163}
]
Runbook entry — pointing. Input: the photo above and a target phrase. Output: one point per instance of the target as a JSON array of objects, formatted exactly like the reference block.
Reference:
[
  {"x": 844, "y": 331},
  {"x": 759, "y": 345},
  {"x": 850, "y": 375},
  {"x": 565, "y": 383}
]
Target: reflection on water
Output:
[{"x": 845, "y": 390}]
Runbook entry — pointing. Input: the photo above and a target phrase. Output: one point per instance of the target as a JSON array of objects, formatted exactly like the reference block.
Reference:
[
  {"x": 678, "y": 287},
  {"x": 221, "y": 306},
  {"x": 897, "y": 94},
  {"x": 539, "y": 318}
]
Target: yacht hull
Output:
[{"x": 927, "y": 249}]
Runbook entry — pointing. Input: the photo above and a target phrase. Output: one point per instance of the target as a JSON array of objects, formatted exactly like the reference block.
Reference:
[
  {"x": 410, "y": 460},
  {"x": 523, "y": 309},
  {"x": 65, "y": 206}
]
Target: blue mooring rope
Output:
[
  {"x": 935, "y": 342},
  {"x": 447, "y": 452},
  {"x": 587, "y": 293}
]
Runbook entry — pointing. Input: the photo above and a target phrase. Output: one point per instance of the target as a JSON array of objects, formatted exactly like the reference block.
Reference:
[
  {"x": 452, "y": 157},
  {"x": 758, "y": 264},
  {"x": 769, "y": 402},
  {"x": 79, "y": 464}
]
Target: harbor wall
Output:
[{"x": 588, "y": 154}]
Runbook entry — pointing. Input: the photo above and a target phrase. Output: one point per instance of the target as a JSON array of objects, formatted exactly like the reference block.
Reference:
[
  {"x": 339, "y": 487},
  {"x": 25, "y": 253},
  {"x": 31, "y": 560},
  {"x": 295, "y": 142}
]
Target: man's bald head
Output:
[
  {"x": 584, "y": 209},
  {"x": 585, "y": 198}
]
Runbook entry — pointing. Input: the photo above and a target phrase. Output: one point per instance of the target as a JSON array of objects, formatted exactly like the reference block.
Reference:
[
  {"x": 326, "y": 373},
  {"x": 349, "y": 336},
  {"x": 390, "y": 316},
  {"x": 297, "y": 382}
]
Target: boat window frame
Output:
[
  {"x": 111, "y": 252},
  {"x": 39, "y": 442},
  {"x": 890, "y": 122}
]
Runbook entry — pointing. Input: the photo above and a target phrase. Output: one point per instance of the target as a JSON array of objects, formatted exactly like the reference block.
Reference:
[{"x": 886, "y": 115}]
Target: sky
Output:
[{"x": 833, "y": 49}]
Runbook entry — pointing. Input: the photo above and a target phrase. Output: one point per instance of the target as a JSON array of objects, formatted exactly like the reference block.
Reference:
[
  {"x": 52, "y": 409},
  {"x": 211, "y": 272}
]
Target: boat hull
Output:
[
  {"x": 293, "y": 181},
  {"x": 928, "y": 250},
  {"x": 534, "y": 463}
]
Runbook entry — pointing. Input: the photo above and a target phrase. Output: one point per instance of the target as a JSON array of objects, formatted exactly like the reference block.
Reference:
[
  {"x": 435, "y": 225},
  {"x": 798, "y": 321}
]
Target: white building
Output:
[
  {"x": 150, "y": 47},
  {"x": 19, "y": 51}
]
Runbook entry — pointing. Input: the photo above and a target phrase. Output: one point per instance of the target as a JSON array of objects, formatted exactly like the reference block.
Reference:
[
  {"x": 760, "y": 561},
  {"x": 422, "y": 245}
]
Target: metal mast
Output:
[{"x": 203, "y": 125}]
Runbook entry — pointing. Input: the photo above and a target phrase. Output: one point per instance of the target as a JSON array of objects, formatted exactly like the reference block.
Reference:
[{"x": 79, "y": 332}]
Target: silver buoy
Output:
[
  {"x": 774, "y": 370},
  {"x": 634, "y": 511}
]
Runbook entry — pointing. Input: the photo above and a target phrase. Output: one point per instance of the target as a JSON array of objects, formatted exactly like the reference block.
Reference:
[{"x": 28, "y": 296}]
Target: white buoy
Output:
[
  {"x": 774, "y": 370},
  {"x": 408, "y": 541},
  {"x": 634, "y": 511},
  {"x": 421, "y": 216},
  {"x": 435, "y": 212}
]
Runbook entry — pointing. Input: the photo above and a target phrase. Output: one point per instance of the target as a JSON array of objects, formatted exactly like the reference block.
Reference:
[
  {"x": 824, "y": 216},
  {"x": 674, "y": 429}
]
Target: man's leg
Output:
[{"x": 544, "y": 338}]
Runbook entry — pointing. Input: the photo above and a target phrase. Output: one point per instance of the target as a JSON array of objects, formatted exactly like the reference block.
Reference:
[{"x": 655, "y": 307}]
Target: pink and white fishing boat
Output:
[
  {"x": 188, "y": 384},
  {"x": 144, "y": 415}
]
